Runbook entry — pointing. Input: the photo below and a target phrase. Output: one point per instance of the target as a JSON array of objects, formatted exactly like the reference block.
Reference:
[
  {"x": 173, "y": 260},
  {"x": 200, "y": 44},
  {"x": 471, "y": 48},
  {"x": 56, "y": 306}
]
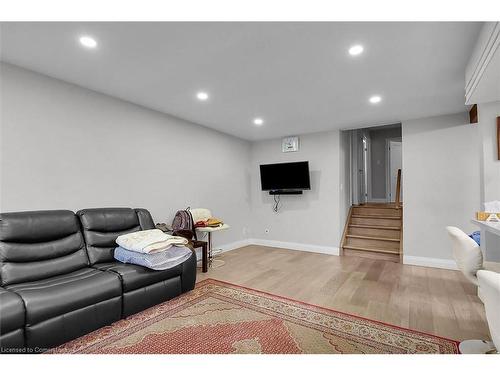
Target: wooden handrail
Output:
[
  {"x": 398, "y": 189},
  {"x": 344, "y": 234}
]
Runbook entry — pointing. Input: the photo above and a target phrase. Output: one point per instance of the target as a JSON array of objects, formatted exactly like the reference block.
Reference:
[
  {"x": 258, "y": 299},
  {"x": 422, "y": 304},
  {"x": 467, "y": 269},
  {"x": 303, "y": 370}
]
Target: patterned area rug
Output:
[{"x": 217, "y": 317}]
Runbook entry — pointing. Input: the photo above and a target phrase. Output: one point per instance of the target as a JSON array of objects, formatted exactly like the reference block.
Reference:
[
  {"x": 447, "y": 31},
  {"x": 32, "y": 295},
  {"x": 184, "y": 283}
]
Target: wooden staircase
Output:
[{"x": 375, "y": 230}]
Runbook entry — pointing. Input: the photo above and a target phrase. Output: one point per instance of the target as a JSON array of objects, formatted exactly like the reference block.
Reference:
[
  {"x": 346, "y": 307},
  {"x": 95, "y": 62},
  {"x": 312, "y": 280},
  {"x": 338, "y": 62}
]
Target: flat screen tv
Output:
[{"x": 285, "y": 176}]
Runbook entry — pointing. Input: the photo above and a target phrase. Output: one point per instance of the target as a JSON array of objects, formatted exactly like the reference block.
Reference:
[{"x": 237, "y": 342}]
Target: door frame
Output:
[
  {"x": 388, "y": 165},
  {"x": 368, "y": 166}
]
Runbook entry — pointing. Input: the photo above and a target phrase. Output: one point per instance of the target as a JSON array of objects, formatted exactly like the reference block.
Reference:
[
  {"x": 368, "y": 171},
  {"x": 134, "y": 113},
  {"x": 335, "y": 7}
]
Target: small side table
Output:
[
  {"x": 210, "y": 230},
  {"x": 204, "y": 253}
]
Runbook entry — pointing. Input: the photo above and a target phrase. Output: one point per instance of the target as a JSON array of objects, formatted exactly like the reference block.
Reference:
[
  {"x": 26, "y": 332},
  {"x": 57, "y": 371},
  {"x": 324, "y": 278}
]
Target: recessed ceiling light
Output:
[
  {"x": 88, "y": 42},
  {"x": 375, "y": 99},
  {"x": 258, "y": 121},
  {"x": 202, "y": 95},
  {"x": 356, "y": 50}
]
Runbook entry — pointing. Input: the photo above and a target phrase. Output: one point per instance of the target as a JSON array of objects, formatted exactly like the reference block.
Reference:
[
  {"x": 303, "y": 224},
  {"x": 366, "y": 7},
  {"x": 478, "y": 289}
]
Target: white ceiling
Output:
[{"x": 297, "y": 76}]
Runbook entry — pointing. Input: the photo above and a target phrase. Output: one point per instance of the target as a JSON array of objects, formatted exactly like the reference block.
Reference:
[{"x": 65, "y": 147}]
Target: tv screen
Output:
[{"x": 285, "y": 176}]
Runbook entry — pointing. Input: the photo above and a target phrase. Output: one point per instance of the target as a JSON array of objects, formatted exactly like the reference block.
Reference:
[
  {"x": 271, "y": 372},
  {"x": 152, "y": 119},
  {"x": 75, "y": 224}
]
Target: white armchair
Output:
[
  {"x": 489, "y": 283},
  {"x": 469, "y": 260},
  {"x": 467, "y": 254}
]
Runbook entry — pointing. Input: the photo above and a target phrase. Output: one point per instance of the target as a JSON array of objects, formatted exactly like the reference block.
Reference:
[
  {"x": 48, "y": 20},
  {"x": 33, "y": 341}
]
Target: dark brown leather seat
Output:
[
  {"x": 11, "y": 321},
  {"x": 59, "y": 295}
]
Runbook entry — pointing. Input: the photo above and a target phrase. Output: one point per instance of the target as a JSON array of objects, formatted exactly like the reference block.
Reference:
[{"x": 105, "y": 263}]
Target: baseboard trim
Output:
[
  {"x": 330, "y": 250},
  {"x": 234, "y": 245},
  {"x": 447, "y": 264},
  {"x": 280, "y": 244}
]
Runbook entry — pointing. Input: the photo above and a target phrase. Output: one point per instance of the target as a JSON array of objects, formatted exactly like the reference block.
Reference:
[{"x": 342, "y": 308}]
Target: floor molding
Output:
[
  {"x": 234, "y": 245},
  {"x": 447, "y": 264},
  {"x": 280, "y": 244}
]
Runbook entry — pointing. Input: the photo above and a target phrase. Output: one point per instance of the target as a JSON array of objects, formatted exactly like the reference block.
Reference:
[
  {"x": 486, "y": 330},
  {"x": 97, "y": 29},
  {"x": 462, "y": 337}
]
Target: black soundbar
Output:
[{"x": 285, "y": 192}]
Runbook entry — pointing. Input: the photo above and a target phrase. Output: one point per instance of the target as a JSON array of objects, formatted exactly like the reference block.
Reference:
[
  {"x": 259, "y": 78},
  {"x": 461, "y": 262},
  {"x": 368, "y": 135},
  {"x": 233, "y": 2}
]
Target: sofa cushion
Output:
[
  {"x": 39, "y": 244},
  {"x": 135, "y": 277},
  {"x": 11, "y": 311},
  {"x": 101, "y": 227},
  {"x": 58, "y": 295}
]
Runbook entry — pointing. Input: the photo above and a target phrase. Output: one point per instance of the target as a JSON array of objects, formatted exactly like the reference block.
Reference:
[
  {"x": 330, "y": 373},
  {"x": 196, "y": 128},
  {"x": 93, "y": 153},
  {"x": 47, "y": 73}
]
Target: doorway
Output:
[
  {"x": 394, "y": 163},
  {"x": 374, "y": 222},
  {"x": 359, "y": 146},
  {"x": 375, "y": 157}
]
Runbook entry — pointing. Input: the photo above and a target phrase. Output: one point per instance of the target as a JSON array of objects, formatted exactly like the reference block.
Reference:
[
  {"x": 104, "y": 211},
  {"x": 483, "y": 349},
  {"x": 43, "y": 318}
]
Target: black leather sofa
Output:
[
  {"x": 11, "y": 320},
  {"x": 59, "y": 280}
]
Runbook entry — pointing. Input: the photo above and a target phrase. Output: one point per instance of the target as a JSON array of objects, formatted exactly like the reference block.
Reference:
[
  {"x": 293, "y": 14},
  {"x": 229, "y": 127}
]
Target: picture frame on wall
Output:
[{"x": 290, "y": 144}]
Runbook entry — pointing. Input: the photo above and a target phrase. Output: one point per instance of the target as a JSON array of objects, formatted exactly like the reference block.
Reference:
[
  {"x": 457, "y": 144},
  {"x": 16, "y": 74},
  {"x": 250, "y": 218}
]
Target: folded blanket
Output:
[
  {"x": 149, "y": 241},
  {"x": 157, "y": 261}
]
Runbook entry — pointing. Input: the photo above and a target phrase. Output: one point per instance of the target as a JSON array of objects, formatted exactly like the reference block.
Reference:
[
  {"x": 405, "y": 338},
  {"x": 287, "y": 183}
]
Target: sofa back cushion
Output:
[
  {"x": 145, "y": 220},
  {"x": 101, "y": 227},
  {"x": 36, "y": 245}
]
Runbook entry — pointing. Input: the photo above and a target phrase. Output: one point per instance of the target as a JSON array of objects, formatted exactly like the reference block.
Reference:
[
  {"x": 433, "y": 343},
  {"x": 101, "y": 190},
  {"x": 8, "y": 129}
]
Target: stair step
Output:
[
  {"x": 375, "y": 221},
  {"x": 373, "y": 226},
  {"x": 375, "y": 211},
  {"x": 376, "y": 217},
  {"x": 373, "y": 232},
  {"x": 372, "y": 241},
  {"x": 373, "y": 238},
  {"x": 371, "y": 249},
  {"x": 372, "y": 255},
  {"x": 382, "y": 206}
]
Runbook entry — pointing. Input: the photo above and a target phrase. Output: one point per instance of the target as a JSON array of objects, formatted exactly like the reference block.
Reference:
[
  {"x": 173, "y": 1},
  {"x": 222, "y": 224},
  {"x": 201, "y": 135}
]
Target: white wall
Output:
[
  {"x": 441, "y": 184},
  {"x": 345, "y": 197},
  {"x": 309, "y": 219},
  {"x": 64, "y": 146}
]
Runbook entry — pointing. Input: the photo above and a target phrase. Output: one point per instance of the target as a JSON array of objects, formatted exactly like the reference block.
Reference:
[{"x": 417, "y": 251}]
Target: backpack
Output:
[{"x": 183, "y": 224}]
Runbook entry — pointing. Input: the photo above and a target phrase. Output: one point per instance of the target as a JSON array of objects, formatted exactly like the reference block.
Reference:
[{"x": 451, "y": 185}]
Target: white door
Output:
[{"x": 395, "y": 163}]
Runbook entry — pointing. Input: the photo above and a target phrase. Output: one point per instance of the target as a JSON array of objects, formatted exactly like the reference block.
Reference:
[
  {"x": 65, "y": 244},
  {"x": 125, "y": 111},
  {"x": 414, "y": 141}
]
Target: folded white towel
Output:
[
  {"x": 149, "y": 241},
  {"x": 158, "y": 261}
]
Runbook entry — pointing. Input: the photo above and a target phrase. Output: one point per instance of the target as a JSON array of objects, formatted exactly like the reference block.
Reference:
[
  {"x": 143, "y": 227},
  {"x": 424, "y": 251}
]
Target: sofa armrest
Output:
[{"x": 188, "y": 276}]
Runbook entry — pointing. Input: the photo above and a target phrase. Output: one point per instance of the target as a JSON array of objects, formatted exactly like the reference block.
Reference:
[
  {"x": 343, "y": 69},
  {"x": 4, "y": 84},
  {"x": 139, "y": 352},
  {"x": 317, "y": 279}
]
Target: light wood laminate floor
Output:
[{"x": 432, "y": 300}]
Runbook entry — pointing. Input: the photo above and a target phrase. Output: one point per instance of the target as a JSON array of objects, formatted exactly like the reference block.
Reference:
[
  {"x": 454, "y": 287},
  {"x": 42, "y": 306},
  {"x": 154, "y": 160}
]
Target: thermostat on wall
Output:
[{"x": 290, "y": 144}]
